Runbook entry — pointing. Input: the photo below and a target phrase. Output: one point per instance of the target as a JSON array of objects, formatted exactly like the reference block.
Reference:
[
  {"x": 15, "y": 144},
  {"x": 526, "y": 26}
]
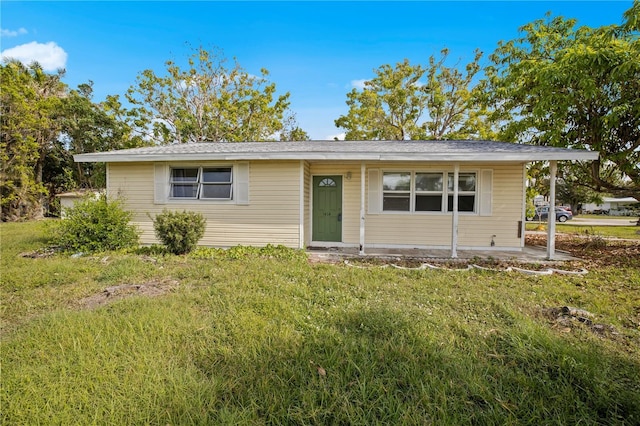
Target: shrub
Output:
[
  {"x": 95, "y": 224},
  {"x": 179, "y": 231}
]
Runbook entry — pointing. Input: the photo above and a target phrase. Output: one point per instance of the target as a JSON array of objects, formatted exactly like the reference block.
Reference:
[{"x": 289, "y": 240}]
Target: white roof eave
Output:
[{"x": 352, "y": 156}]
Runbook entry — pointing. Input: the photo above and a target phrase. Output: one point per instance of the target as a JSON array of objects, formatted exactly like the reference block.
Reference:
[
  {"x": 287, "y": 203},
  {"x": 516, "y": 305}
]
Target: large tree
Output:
[
  {"x": 44, "y": 124},
  {"x": 209, "y": 101},
  {"x": 579, "y": 87},
  {"x": 408, "y": 101},
  {"x": 30, "y": 100}
]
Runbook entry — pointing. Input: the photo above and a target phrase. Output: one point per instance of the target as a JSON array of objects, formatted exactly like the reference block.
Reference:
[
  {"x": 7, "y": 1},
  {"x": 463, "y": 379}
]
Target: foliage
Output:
[
  {"x": 91, "y": 127},
  {"x": 243, "y": 252},
  {"x": 95, "y": 225},
  {"x": 179, "y": 231},
  {"x": 262, "y": 340},
  {"x": 43, "y": 125},
  {"x": 31, "y": 100},
  {"x": 208, "y": 101},
  {"x": 563, "y": 86},
  {"x": 413, "y": 102}
]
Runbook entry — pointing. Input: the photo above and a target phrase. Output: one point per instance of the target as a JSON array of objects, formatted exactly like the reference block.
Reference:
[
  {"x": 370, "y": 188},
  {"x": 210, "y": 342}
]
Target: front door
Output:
[{"x": 327, "y": 208}]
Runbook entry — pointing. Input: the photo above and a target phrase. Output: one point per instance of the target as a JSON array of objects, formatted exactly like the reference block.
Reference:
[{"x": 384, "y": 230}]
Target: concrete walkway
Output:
[{"x": 528, "y": 254}]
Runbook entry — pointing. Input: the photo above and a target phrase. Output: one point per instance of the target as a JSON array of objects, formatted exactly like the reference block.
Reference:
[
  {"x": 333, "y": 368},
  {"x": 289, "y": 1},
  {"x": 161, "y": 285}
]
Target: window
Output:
[
  {"x": 204, "y": 183},
  {"x": 466, "y": 192},
  {"x": 429, "y": 190},
  {"x": 396, "y": 189},
  {"x": 426, "y": 191}
]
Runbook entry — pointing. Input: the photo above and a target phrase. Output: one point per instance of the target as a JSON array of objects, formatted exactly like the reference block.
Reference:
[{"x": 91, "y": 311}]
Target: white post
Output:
[
  {"x": 551, "y": 218},
  {"x": 301, "y": 224},
  {"x": 454, "y": 220},
  {"x": 362, "y": 209}
]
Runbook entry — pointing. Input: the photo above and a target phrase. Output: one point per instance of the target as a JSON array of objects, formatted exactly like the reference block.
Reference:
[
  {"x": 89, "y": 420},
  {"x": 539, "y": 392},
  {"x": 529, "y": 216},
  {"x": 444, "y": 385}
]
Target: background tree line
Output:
[{"x": 556, "y": 85}]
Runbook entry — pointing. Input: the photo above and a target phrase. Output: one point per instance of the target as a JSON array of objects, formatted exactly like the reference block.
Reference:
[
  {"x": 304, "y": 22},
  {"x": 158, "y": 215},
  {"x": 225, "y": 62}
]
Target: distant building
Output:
[{"x": 612, "y": 206}]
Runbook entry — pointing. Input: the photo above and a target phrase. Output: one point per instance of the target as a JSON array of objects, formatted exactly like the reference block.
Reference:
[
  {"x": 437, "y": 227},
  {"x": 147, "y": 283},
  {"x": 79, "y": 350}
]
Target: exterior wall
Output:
[
  {"x": 271, "y": 217},
  {"x": 434, "y": 229},
  {"x": 274, "y": 210}
]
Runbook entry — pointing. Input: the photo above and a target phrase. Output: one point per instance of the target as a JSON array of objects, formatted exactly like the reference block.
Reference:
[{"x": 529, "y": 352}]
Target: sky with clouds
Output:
[{"x": 317, "y": 51}]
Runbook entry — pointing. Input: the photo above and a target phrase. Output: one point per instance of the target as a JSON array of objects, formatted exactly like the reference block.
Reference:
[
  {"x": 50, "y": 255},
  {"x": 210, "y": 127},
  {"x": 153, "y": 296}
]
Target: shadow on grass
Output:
[{"x": 377, "y": 366}]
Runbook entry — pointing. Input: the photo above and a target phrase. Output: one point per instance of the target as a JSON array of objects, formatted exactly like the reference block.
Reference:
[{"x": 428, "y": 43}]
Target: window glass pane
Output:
[
  {"x": 218, "y": 174},
  {"x": 466, "y": 182},
  {"x": 466, "y": 203},
  {"x": 428, "y": 203},
  {"x": 395, "y": 202},
  {"x": 184, "y": 175},
  {"x": 428, "y": 181},
  {"x": 216, "y": 191},
  {"x": 396, "y": 181},
  {"x": 180, "y": 190}
]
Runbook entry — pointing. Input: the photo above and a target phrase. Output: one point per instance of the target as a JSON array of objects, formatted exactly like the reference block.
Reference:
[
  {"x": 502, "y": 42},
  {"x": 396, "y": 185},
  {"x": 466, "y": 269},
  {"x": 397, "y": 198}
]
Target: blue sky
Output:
[{"x": 317, "y": 51}]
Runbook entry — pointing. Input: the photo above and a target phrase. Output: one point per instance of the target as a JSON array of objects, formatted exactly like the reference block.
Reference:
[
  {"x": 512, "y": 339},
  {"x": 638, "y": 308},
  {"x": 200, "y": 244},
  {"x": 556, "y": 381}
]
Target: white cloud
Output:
[
  {"x": 49, "y": 55},
  {"x": 358, "y": 84},
  {"x": 338, "y": 137},
  {"x": 12, "y": 33}
]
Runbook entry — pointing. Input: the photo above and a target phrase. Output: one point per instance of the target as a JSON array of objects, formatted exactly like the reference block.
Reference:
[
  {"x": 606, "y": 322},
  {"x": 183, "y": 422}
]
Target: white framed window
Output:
[
  {"x": 409, "y": 191},
  {"x": 396, "y": 191},
  {"x": 201, "y": 183},
  {"x": 466, "y": 192}
]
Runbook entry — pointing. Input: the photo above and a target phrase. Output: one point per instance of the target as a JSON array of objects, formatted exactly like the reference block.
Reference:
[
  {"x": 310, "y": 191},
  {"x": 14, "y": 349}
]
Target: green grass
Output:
[
  {"x": 627, "y": 232},
  {"x": 245, "y": 337}
]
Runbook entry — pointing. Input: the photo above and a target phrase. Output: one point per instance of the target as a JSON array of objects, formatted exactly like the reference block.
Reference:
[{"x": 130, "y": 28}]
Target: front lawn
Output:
[{"x": 266, "y": 337}]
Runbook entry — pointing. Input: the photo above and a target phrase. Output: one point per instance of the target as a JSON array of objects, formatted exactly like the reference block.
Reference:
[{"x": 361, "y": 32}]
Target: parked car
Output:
[{"x": 542, "y": 213}]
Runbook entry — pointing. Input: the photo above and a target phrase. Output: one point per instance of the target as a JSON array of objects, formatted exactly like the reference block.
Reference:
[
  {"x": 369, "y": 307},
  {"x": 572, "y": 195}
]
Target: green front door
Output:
[{"x": 327, "y": 208}]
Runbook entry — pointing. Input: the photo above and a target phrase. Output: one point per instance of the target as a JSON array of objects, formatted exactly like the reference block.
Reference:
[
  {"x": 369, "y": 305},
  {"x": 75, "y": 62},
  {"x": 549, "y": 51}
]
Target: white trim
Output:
[
  {"x": 363, "y": 169},
  {"x": 551, "y": 217},
  {"x": 524, "y": 206},
  {"x": 301, "y": 212},
  {"x": 491, "y": 156},
  {"x": 454, "y": 220}
]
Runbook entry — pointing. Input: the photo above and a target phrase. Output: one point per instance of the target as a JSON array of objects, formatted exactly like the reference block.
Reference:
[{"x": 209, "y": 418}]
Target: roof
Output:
[
  {"x": 630, "y": 200},
  {"x": 343, "y": 150}
]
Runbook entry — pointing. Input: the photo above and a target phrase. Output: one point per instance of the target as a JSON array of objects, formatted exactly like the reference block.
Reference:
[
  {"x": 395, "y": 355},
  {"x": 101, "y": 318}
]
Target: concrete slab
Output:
[{"x": 529, "y": 254}]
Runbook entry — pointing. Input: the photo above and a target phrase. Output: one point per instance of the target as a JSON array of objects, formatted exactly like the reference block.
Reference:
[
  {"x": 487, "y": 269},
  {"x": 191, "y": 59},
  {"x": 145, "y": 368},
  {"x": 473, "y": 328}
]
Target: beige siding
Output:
[
  {"x": 433, "y": 230},
  {"x": 273, "y": 213},
  {"x": 272, "y": 216}
]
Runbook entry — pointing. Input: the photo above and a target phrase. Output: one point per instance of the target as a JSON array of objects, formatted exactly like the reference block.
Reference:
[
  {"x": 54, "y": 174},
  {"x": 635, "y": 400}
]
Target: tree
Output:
[
  {"x": 91, "y": 127},
  {"x": 43, "y": 125},
  {"x": 208, "y": 102},
  {"x": 413, "y": 102},
  {"x": 563, "y": 86},
  {"x": 31, "y": 101}
]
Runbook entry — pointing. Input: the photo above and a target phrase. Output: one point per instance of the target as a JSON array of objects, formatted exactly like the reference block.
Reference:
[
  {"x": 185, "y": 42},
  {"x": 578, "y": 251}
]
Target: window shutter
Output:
[
  {"x": 486, "y": 192},
  {"x": 374, "y": 191},
  {"x": 242, "y": 183},
  {"x": 161, "y": 183}
]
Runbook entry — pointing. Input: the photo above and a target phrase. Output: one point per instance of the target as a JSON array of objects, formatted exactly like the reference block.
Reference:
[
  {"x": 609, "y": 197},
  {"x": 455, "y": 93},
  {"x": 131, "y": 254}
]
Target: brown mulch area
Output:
[
  {"x": 596, "y": 251},
  {"x": 111, "y": 294}
]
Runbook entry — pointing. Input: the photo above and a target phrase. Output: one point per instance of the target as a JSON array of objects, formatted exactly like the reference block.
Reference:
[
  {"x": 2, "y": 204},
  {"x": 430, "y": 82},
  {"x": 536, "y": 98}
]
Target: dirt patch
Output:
[
  {"x": 111, "y": 294},
  {"x": 566, "y": 319},
  {"x": 593, "y": 250}
]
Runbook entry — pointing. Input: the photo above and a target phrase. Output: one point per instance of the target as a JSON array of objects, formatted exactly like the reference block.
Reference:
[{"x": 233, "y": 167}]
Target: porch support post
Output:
[
  {"x": 363, "y": 170},
  {"x": 454, "y": 219},
  {"x": 551, "y": 218},
  {"x": 301, "y": 224}
]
